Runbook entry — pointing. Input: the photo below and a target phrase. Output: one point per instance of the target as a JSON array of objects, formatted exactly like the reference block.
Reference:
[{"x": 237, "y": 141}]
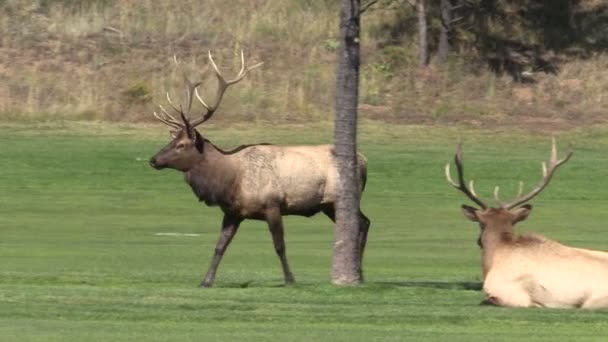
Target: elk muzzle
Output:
[{"x": 154, "y": 162}]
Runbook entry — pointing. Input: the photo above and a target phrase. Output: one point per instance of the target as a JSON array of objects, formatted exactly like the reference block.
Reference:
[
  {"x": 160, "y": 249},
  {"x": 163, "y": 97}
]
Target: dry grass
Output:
[{"x": 111, "y": 60}]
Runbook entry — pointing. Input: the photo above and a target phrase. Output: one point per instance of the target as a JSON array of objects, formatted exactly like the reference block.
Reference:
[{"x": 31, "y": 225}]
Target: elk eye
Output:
[{"x": 180, "y": 146}]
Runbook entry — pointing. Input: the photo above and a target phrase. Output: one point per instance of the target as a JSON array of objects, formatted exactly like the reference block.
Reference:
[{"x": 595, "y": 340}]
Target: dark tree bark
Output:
[
  {"x": 446, "y": 27},
  {"x": 346, "y": 268},
  {"x": 422, "y": 33}
]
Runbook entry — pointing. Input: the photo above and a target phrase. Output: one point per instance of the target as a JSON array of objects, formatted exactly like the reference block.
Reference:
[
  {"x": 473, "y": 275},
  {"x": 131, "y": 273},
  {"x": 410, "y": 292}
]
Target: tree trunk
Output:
[
  {"x": 446, "y": 28},
  {"x": 422, "y": 33},
  {"x": 345, "y": 269}
]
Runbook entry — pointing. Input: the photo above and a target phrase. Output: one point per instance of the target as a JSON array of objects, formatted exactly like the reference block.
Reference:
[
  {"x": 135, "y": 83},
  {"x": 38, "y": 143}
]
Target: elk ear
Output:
[
  {"x": 198, "y": 141},
  {"x": 470, "y": 213},
  {"x": 521, "y": 213}
]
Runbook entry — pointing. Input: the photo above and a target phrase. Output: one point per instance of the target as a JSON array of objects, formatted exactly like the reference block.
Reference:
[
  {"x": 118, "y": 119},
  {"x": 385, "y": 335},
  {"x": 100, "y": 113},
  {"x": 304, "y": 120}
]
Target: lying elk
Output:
[
  {"x": 261, "y": 181},
  {"x": 531, "y": 270}
]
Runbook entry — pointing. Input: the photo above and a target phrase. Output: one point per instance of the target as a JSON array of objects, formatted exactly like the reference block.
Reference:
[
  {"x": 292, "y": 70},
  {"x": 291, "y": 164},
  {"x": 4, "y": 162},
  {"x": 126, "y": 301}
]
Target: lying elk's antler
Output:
[
  {"x": 192, "y": 91},
  {"x": 554, "y": 163},
  {"x": 470, "y": 192}
]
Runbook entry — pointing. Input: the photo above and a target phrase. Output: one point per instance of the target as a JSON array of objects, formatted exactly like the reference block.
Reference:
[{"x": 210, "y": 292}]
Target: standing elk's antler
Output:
[
  {"x": 222, "y": 86},
  {"x": 192, "y": 92},
  {"x": 470, "y": 192},
  {"x": 554, "y": 163}
]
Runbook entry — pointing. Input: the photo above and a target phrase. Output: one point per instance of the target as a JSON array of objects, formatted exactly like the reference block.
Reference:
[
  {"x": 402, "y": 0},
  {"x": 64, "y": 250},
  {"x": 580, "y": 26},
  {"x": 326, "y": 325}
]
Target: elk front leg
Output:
[
  {"x": 275, "y": 224},
  {"x": 230, "y": 225},
  {"x": 595, "y": 303}
]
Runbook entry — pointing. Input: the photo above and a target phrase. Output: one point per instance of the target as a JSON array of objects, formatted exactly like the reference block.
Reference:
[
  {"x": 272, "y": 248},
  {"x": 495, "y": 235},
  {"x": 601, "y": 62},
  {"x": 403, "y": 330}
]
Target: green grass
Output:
[{"x": 79, "y": 209}]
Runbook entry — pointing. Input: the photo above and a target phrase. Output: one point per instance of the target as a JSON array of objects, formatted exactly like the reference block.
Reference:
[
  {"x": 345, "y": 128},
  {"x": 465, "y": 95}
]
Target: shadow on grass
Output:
[
  {"x": 258, "y": 284},
  {"x": 443, "y": 285}
]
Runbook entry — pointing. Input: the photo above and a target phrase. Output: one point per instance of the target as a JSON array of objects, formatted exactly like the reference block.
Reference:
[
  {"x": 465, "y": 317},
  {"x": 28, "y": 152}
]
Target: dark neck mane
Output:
[
  {"x": 237, "y": 149},
  {"x": 213, "y": 178},
  {"x": 508, "y": 239}
]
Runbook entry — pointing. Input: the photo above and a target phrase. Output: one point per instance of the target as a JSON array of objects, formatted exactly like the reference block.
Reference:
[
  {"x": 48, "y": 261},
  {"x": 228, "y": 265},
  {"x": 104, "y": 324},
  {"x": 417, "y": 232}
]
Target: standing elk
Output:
[
  {"x": 531, "y": 270},
  {"x": 260, "y": 181}
]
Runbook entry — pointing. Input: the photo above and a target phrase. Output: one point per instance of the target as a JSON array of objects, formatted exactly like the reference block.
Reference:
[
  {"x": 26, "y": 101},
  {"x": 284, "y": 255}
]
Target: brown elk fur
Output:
[{"x": 261, "y": 182}]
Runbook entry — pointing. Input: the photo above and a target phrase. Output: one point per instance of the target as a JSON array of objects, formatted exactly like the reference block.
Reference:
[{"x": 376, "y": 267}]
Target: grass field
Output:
[{"x": 80, "y": 258}]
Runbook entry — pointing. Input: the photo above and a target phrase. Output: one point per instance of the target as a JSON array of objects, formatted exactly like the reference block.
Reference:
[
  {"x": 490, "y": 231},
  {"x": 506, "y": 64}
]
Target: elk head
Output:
[
  {"x": 187, "y": 142},
  {"x": 500, "y": 220}
]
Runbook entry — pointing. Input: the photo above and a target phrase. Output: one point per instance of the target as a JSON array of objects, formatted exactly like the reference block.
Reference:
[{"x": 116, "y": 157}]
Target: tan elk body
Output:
[
  {"x": 530, "y": 270},
  {"x": 299, "y": 180},
  {"x": 260, "y": 181}
]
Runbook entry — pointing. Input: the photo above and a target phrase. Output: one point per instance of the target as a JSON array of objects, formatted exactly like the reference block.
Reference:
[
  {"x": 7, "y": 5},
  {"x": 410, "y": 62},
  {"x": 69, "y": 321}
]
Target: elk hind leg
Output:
[
  {"x": 491, "y": 301},
  {"x": 364, "y": 224},
  {"x": 329, "y": 211},
  {"x": 230, "y": 225},
  {"x": 501, "y": 292},
  {"x": 275, "y": 224},
  {"x": 514, "y": 301}
]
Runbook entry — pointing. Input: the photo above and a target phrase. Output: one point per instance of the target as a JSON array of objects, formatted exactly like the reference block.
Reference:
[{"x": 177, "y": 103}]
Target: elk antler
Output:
[
  {"x": 470, "y": 192},
  {"x": 222, "y": 86},
  {"x": 554, "y": 163},
  {"x": 192, "y": 91}
]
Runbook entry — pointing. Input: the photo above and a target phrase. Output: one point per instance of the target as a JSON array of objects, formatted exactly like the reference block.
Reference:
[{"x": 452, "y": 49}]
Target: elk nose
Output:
[{"x": 153, "y": 162}]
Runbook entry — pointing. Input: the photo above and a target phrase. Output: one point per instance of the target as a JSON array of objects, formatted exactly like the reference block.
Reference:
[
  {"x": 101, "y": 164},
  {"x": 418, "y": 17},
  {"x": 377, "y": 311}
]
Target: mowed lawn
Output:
[{"x": 80, "y": 258}]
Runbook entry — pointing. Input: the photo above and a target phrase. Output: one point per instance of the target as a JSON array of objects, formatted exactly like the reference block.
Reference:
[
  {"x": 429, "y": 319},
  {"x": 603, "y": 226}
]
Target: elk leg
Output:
[
  {"x": 490, "y": 301},
  {"x": 330, "y": 212},
  {"x": 364, "y": 224},
  {"x": 596, "y": 303},
  {"x": 275, "y": 224},
  {"x": 230, "y": 225}
]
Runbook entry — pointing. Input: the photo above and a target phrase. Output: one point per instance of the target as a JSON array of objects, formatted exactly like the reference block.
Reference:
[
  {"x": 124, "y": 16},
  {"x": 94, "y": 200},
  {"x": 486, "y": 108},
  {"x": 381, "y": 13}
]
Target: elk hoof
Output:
[
  {"x": 290, "y": 280},
  {"x": 206, "y": 284},
  {"x": 492, "y": 301}
]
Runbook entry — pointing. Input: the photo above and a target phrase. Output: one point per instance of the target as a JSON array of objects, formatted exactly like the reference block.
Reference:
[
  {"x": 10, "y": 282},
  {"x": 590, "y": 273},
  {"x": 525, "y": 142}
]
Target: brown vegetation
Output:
[{"x": 108, "y": 60}]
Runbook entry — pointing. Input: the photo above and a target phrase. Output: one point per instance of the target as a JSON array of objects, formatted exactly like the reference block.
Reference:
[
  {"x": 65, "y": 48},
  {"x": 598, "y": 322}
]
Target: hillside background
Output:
[{"x": 536, "y": 63}]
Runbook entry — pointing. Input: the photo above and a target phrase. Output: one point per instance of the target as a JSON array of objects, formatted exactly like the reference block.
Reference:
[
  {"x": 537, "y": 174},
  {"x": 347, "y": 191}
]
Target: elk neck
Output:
[
  {"x": 492, "y": 240},
  {"x": 213, "y": 177}
]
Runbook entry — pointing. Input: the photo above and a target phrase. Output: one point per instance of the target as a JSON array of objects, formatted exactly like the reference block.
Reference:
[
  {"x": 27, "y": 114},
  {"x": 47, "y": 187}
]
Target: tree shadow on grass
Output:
[
  {"x": 262, "y": 284},
  {"x": 443, "y": 285}
]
